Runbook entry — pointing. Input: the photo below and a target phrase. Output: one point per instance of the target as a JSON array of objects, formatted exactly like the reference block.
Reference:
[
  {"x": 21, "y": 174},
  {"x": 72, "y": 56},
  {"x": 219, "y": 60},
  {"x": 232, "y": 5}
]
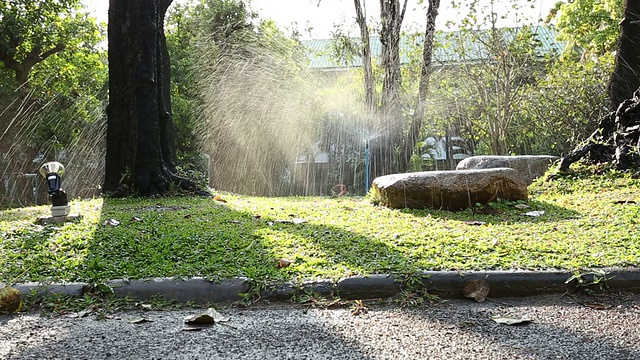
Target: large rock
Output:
[
  {"x": 529, "y": 166},
  {"x": 448, "y": 190}
]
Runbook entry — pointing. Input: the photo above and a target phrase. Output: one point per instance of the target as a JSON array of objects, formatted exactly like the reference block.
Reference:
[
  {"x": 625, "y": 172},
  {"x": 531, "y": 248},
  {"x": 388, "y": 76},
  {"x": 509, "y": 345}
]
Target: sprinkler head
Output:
[{"x": 52, "y": 172}]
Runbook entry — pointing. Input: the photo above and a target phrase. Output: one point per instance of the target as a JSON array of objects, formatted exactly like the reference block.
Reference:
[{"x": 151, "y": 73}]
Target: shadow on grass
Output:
[
  {"x": 501, "y": 213},
  {"x": 186, "y": 237}
]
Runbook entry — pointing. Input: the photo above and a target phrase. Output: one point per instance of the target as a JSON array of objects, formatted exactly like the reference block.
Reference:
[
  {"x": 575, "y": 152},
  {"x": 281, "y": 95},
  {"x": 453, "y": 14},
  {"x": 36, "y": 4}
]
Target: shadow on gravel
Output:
[
  {"x": 559, "y": 329},
  {"x": 250, "y": 334}
]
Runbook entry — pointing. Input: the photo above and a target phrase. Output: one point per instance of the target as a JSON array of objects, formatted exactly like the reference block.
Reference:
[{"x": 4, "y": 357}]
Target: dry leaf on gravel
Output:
[
  {"x": 476, "y": 289},
  {"x": 191, "y": 329},
  {"x": 139, "y": 320},
  {"x": 209, "y": 317},
  {"x": 598, "y": 306},
  {"x": 511, "y": 321},
  {"x": 81, "y": 314}
]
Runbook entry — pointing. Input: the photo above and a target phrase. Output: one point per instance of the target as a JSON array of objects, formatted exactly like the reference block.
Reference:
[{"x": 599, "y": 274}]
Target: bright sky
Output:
[{"x": 304, "y": 14}]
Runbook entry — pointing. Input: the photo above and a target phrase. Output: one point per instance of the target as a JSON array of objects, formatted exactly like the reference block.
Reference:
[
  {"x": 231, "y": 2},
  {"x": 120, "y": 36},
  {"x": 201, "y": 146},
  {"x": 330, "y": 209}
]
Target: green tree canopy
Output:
[
  {"x": 31, "y": 31},
  {"x": 589, "y": 26}
]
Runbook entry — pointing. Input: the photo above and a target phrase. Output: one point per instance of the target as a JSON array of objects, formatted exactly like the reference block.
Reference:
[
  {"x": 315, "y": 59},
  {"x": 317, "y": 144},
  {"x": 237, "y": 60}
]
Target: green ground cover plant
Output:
[{"x": 589, "y": 221}]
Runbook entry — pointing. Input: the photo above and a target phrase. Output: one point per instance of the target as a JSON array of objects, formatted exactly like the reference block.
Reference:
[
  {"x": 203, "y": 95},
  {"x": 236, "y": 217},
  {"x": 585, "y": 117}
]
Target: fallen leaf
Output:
[
  {"x": 81, "y": 314},
  {"x": 474, "y": 222},
  {"x": 139, "y": 320},
  {"x": 535, "y": 213},
  {"x": 211, "y": 316},
  {"x": 144, "y": 306},
  {"x": 219, "y": 198},
  {"x": 283, "y": 263},
  {"x": 476, "y": 289},
  {"x": 295, "y": 221},
  {"x": 487, "y": 210},
  {"x": 511, "y": 321},
  {"x": 111, "y": 222},
  {"x": 187, "y": 328},
  {"x": 521, "y": 206},
  {"x": 598, "y": 306}
]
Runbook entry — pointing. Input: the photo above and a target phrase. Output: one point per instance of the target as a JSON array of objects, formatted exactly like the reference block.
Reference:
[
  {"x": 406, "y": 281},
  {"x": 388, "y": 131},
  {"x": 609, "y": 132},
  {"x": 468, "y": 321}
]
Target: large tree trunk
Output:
[
  {"x": 140, "y": 156},
  {"x": 617, "y": 137},
  {"x": 626, "y": 74},
  {"x": 384, "y": 150},
  {"x": 369, "y": 87},
  {"x": 423, "y": 87}
]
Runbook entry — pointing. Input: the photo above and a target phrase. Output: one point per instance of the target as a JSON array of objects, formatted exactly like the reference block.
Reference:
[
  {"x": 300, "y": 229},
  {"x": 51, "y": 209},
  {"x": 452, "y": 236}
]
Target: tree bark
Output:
[
  {"x": 626, "y": 74},
  {"x": 369, "y": 87},
  {"x": 618, "y": 134},
  {"x": 423, "y": 86},
  {"x": 383, "y": 151},
  {"x": 140, "y": 157}
]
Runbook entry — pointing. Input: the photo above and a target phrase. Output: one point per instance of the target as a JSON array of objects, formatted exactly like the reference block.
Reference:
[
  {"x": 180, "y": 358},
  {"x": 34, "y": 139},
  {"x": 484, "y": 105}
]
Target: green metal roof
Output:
[{"x": 449, "y": 48}]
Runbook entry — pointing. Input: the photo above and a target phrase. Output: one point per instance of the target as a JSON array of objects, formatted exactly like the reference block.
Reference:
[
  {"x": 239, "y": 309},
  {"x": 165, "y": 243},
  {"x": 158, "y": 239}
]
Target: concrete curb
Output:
[{"x": 447, "y": 284}]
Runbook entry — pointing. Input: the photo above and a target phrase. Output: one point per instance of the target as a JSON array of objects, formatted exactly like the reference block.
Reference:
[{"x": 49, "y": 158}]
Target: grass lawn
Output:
[{"x": 588, "y": 222}]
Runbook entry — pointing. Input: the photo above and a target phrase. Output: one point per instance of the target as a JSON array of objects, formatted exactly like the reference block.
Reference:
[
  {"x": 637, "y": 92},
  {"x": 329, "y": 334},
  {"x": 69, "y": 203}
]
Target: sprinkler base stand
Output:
[
  {"x": 58, "y": 219},
  {"x": 61, "y": 210}
]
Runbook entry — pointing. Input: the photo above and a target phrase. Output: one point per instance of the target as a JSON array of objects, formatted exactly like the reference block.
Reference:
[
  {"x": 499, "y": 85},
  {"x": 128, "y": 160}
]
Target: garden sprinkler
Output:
[
  {"x": 52, "y": 172},
  {"x": 366, "y": 166}
]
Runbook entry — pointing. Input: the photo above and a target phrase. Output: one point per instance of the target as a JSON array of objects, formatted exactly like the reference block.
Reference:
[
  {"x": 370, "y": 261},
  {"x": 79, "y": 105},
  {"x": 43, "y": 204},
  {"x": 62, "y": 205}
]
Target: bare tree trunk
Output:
[{"x": 626, "y": 74}]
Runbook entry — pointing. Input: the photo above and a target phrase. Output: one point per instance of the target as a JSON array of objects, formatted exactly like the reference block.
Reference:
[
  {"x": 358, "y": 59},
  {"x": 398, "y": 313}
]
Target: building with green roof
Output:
[{"x": 450, "y": 47}]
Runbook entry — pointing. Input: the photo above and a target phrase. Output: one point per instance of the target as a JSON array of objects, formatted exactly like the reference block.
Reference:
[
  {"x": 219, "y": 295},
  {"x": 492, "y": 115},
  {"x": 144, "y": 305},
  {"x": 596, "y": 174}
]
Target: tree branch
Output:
[{"x": 59, "y": 47}]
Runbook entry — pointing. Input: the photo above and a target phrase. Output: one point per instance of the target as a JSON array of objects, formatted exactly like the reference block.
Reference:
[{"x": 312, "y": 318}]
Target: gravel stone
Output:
[{"x": 563, "y": 327}]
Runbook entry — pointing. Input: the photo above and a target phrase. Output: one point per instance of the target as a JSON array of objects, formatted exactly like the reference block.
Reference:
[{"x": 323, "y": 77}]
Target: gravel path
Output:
[{"x": 561, "y": 329}]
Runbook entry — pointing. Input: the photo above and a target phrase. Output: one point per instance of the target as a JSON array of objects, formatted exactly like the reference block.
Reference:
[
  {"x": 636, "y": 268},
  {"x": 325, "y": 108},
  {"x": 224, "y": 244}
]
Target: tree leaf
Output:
[
  {"x": 598, "y": 306},
  {"x": 139, "y": 320},
  {"x": 111, "y": 222},
  {"x": 511, "y": 321},
  {"x": 209, "y": 317},
  {"x": 535, "y": 213},
  {"x": 474, "y": 222},
  {"x": 476, "y": 289},
  {"x": 283, "y": 263}
]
